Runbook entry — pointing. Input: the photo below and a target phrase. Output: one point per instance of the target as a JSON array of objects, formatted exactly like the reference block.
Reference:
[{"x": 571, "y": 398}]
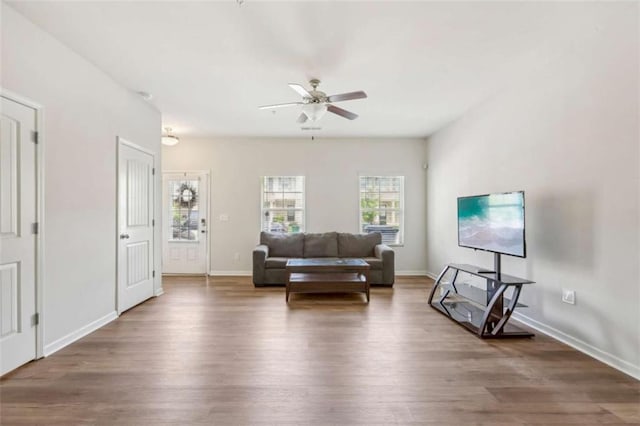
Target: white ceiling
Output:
[{"x": 210, "y": 64}]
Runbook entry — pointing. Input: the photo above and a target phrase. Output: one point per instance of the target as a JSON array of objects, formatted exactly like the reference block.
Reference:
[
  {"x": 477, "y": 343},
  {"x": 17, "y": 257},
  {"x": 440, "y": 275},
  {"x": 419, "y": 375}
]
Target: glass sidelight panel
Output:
[{"x": 184, "y": 209}]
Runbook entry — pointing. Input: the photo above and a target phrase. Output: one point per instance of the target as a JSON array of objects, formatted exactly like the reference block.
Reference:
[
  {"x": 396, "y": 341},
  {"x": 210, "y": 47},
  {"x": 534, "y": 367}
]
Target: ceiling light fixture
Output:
[
  {"x": 314, "y": 110},
  {"x": 169, "y": 139}
]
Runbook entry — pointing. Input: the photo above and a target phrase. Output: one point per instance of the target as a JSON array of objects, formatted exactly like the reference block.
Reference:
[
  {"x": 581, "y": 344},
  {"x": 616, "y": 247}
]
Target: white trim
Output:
[
  {"x": 431, "y": 275},
  {"x": 230, "y": 273},
  {"x": 187, "y": 172},
  {"x": 580, "y": 345},
  {"x": 40, "y": 218},
  {"x": 185, "y": 275},
  {"x": 411, "y": 273},
  {"x": 79, "y": 333},
  {"x": 137, "y": 147},
  {"x": 158, "y": 292},
  {"x": 20, "y": 99}
]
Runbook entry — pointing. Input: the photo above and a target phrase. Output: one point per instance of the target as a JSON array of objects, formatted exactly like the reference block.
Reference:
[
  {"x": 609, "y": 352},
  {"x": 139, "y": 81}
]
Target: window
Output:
[
  {"x": 283, "y": 204},
  {"x": 184, "y": 209},
  {"x": 382, "y": 207}
]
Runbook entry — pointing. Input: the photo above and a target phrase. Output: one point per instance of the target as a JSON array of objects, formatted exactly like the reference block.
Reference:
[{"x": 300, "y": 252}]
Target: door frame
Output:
[
  {"x": 40, "y": 217},
  {"x": 120, "y": 141},
  {"x": 207, "y": 176}
]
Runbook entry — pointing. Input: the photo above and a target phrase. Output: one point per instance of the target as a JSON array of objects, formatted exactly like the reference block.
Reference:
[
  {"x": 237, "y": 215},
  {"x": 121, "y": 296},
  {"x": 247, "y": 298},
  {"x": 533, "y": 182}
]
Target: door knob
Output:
[{"x": 124, "y": 236}]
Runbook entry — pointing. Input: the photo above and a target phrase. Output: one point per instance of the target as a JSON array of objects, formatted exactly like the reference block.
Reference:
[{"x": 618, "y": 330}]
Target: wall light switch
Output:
[{"x": 224, "y": 217}]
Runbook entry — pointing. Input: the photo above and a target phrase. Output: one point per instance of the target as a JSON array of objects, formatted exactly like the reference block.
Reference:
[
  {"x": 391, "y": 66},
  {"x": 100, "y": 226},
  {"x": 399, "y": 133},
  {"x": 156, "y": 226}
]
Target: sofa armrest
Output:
[
  {"x": 260, "y": 254},
  {"x": 387, "y": 255}
]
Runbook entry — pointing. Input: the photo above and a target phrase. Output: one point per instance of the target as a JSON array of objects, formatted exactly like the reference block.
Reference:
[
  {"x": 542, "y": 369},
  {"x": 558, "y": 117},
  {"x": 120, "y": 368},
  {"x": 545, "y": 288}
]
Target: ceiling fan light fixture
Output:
[
  {"x": 168, "y": 139},
  {"x": 314, "y": 110},
  {"x": 316, "y": 103}
]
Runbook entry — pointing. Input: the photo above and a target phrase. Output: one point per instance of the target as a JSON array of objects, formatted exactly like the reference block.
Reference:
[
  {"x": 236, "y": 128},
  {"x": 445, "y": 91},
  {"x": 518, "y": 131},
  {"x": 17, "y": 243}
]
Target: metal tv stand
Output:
[{"x": 480, "y": 311}]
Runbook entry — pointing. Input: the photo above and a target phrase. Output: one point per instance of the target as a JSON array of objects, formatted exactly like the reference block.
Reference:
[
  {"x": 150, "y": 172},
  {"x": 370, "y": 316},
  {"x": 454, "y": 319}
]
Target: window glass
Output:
[
  {"x": 184, "y": 209},
  {"x": 381, "y": 207},
  {"x": 283, "y": 208}
]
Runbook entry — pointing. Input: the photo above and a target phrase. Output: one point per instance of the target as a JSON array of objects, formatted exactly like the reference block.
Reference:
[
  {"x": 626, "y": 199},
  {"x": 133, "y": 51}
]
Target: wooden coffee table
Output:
[{"x": 327, "y": 275}]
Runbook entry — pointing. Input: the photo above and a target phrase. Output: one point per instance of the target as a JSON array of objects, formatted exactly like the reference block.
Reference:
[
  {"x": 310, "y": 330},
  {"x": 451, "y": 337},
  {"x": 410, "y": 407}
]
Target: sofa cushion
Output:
[
  {"x": 283, "y": 245},
  {"x": 358, "y": 245},
  {"x": 321, "y": 245},
  {"x": 276, "y": 262}
]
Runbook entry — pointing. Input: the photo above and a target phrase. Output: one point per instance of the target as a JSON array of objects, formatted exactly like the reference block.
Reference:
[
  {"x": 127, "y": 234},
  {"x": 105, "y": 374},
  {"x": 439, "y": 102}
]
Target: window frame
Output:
[
  {"x": 400, "y": 211},
  {"x": 263, "y": 209}
]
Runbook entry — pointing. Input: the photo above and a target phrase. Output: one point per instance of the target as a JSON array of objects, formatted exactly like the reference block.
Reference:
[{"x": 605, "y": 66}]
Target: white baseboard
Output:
[
  {"x": 79, "y": 333},
  {"x": 158, "y": 292},
  {"x": 410, "y": 273},
  {"x": 584, "y": 347},
  {"x": 230, "y": 273},
  {"x": 431, "y": 275}
]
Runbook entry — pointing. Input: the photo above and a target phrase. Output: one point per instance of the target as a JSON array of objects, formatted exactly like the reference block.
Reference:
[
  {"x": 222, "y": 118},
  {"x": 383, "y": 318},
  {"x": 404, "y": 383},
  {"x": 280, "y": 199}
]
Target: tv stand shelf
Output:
[{"x": 484, "y": 312}]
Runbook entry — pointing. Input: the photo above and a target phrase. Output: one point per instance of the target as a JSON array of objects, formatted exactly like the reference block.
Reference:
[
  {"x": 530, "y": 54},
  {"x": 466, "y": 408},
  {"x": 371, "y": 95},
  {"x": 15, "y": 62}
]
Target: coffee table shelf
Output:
[{"x": 330, "y": 275}]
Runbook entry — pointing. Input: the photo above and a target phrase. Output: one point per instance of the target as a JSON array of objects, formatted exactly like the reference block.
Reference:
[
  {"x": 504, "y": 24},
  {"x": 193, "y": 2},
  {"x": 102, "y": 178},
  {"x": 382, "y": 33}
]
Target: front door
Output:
[
  {"x": 17, "y": 237},
  {"x": 135, "y": 225},
  {"x": 185, "y": 203}
]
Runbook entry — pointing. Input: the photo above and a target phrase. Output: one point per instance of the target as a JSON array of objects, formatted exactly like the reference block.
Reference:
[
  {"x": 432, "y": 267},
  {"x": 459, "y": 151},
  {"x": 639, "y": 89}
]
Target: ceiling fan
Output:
[{"x": 315, "y": 103}]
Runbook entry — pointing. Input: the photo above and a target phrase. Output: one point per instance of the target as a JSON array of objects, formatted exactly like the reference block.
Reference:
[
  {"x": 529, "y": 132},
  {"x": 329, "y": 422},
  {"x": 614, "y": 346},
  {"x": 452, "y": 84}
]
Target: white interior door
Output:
[
  {"x": 17, "y": 238},
  {"x": 135, "y": 225},
  {"x": 185, "y": 218}
]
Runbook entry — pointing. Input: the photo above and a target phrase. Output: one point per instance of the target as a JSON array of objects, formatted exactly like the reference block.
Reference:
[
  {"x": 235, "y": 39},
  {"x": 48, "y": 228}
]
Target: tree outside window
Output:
[
  {"x": 283, "y": 207},
  {"x": 381, "y": 207}
]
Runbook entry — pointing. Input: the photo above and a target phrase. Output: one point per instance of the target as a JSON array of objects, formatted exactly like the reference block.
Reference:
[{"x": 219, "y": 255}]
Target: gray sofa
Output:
[{"x": 271, "y": 255}]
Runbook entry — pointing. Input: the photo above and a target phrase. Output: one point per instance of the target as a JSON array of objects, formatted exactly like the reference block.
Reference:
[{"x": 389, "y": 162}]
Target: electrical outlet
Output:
[
  {"x": 224, "y": 217},
  {"x": 569, "y": 296},
  {"x": 236, "y": 256}
]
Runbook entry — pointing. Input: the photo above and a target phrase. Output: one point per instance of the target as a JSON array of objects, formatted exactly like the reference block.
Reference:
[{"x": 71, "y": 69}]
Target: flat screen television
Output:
[{"x": 493, "y": 222}]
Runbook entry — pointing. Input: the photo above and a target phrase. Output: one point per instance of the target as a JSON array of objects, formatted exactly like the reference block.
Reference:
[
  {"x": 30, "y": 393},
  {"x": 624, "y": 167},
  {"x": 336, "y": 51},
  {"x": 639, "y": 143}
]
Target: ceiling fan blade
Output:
[
  {"x": 347, "y": 96},
  {"x": 302, "y": 118},
  {"x": 300, "y": 90},
  {"x": 342, "y": 112},
  {"x": 280, "y": 105}
]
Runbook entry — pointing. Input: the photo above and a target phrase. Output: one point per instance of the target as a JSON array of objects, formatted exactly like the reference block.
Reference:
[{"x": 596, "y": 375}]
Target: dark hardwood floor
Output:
[{"x": 219, "y": 351}]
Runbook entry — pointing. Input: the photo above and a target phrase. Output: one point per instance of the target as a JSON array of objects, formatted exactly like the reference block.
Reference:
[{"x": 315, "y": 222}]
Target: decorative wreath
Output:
[{"x": 186, "y": 200}]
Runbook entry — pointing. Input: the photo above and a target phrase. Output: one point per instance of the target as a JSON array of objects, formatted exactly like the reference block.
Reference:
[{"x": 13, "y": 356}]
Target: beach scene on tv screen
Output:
[{"x": 492, "y": 222}]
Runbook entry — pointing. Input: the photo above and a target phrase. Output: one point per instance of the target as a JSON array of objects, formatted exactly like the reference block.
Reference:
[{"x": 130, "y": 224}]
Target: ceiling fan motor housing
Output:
[{"x": 316, "y": 103}]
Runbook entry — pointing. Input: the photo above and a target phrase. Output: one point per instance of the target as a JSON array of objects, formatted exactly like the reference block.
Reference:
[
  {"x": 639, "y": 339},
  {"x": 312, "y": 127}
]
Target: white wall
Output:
[
  {"x": 568, "y": 136},
  {"x": 84, "y": 111},
  {"x": 331, "y": 167}
]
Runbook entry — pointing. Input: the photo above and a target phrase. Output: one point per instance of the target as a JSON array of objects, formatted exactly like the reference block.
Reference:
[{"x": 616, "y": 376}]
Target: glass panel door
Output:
[{"x": 184, "y": 209}]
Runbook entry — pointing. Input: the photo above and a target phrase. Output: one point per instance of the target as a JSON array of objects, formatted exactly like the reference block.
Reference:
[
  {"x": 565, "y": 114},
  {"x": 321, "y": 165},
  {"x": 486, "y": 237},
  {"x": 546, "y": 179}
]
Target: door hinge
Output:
[
  {"x": 153, "y": 222},
  {"x": 34, "y": 228},
  {"x": 153, "y": 171},
  {"x": 153, "y": 274},
  {"x": 34, "y": 137},
  {"x": 35, "y": 319}
]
